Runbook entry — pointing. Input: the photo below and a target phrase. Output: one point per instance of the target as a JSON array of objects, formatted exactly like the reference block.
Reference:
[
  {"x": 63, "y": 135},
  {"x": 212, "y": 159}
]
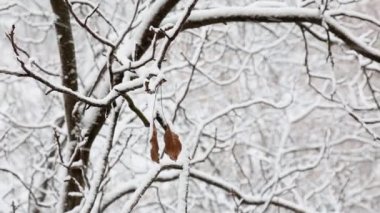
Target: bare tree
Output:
[{"x": 177, "y": 106}]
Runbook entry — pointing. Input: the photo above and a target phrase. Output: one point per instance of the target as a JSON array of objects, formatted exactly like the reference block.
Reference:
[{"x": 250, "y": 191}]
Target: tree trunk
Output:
[{"x": 69, "y": 79}]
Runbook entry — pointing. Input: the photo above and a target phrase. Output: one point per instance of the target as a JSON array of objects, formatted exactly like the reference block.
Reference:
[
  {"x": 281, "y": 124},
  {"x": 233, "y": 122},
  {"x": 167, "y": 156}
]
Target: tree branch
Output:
[{"x": 200, "y": 18}]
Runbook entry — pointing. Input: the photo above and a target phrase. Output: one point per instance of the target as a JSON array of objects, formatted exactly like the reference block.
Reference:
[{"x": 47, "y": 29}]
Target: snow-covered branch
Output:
[{"x": 201, "y": 18}]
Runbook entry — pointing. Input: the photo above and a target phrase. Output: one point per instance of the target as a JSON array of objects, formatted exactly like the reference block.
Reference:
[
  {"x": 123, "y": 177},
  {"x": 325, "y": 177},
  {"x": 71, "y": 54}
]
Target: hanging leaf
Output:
[
  {"x": 172, "y": 144},
  {"x": 154, "y": 146}
]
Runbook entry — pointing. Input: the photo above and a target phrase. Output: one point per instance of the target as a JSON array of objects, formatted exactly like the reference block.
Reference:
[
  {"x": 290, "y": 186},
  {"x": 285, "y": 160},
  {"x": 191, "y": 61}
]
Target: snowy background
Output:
[{"x": 275, "y": 104}]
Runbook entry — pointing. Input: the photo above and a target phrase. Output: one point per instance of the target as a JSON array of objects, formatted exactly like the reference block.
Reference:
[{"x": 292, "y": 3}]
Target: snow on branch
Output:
[
  {"x": 246, "y": 199},
  {"x": 102, "y": 165},
  {"x": 139, "y": 186},
  {"x": 116, "y": 91},
  {"x": 145, "y": 184},
  {"x": 206, "y": 17}
]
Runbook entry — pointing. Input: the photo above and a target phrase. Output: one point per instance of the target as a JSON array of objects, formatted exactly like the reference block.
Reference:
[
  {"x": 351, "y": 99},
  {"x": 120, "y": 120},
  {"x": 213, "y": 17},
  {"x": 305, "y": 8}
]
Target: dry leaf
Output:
[
  {"x": 154, "y": 146},
  {"x": 172, "y": 144}
]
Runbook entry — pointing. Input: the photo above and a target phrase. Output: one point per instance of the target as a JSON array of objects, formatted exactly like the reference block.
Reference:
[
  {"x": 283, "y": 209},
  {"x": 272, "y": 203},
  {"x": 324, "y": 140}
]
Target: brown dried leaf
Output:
[
  {"x": 173, "y": 145},
  {"x": 154, "y": 146}
]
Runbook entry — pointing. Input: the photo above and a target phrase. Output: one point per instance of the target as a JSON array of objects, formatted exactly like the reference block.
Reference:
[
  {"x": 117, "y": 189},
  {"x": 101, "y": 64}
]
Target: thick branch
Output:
[{"x": 279, "y": 15}]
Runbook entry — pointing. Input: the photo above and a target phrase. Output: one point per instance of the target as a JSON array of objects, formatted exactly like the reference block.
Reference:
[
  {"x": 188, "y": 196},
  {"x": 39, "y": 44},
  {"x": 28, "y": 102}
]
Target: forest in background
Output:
[{"x": 189, "y": 106}]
